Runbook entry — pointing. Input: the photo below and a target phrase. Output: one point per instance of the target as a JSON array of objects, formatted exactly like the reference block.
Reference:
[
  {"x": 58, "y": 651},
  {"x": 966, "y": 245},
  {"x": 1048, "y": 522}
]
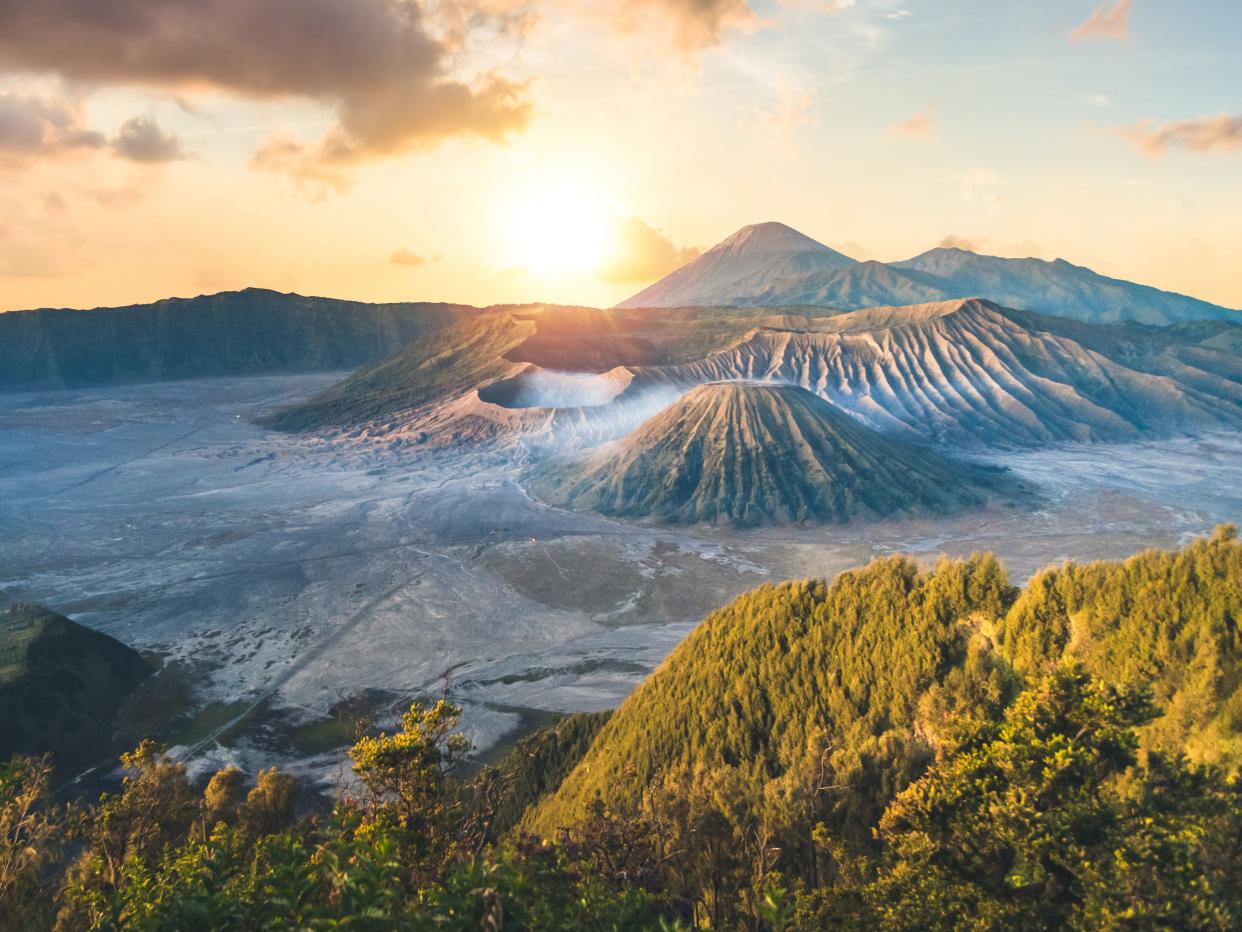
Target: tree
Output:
[
  {"x": 1042, "y": 820},
  {"x": 405, "y": 779},
  {"x": 32, "y": 831}
]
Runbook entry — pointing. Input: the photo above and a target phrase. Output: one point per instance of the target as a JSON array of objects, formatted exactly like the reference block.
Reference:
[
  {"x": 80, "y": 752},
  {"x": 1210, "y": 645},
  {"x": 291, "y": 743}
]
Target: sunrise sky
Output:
[{"x": 552, "y": 150}]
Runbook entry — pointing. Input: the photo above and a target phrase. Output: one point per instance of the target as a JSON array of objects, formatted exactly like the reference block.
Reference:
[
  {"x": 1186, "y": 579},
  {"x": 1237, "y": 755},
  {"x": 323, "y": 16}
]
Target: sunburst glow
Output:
[{"x": 560, "y": 228}]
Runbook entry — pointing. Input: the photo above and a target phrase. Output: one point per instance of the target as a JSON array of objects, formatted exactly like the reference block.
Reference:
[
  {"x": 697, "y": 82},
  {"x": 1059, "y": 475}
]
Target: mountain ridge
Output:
[{"x": 1056, "y": 287}]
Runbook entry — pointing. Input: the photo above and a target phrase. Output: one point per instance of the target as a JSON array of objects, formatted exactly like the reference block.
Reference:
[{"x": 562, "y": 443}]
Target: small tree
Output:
[
  {"x": 405, "y": 779},
  {"x": 32, "y": 831}
]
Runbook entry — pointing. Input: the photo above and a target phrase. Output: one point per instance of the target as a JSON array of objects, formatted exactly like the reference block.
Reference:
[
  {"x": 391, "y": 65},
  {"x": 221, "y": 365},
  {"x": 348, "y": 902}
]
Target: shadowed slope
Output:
[
  {"x": 753, "y": 454},
  {"x": 233, "y": 333}
]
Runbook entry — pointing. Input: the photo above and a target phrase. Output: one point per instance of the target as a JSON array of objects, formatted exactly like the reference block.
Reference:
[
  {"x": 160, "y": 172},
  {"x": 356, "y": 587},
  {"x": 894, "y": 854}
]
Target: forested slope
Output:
[{"x": 862, "y": 673}]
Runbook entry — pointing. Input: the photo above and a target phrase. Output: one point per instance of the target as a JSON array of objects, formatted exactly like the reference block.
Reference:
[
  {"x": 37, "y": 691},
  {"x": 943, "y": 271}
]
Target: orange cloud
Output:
[
  {"x": 641, "y": 253},
  {"x": 1110, "y": 23},
  {"x": 1199, "y": 135},
  {"x": 407, "y": 258},
  {"x": 921, "y": 125},
  {"x": 382, "y": 67},
  {"x": 34, "y": 127},
  {"x": 691, "y": 24}
]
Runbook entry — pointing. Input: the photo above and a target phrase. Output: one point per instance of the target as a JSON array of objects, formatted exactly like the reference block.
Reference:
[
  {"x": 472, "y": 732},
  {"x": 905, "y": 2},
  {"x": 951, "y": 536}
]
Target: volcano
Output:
[{"x": 747, "y": 453}]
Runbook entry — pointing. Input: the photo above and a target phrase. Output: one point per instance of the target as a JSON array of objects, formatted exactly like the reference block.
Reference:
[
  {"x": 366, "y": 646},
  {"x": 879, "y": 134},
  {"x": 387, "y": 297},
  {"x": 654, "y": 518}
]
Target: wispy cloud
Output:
[
  {"x": 1110, "y": 22},
  {"x": 952, "y": 241},
  {"x": 407, "y": 258},
  {"x": 921, "y": 125},
  {"x": 1199, "y": 135},
  {"x": 35, "y": 127},
  {"x": 793, "y": 110}
]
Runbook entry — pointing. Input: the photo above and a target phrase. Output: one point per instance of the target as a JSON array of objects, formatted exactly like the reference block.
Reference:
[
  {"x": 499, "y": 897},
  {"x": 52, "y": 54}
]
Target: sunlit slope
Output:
[
  {"x": 438, "y": 368},
  {"x": 748, "y": 454},
  {"x": 855, "y": 677},
  {"x": 972, "y": 371}
]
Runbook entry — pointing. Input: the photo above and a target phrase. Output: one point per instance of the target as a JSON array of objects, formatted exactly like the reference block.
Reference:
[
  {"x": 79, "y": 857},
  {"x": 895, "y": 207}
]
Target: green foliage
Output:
[
  {"x": 533, "y": 769},
  {"x": 1169, "y": 620},
  {"x": 856, "y": 755},
  {"x": 1028, "y": 822},
  {"x": 830, "y": 671}
]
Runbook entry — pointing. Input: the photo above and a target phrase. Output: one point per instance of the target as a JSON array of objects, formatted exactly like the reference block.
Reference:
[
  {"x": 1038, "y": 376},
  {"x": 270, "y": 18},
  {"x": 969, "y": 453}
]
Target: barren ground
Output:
[{"x": 290, "y": 576}]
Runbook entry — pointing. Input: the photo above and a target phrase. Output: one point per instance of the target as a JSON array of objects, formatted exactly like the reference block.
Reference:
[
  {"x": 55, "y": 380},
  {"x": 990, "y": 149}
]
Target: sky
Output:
[{"x": 573, "y": 151}]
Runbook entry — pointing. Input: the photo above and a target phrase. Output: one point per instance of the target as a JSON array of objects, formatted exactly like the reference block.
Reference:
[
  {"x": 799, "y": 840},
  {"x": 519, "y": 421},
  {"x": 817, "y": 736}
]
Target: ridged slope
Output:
[
  {"x": 972, "y": 371},
  {"x": 750, "y": 454}
]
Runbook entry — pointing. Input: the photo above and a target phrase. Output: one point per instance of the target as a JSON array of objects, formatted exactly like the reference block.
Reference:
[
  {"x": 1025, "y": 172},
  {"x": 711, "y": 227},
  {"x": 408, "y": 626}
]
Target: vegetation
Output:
[
  {"x": 61, "y": 686},
  {"x": 899, "y": 750}
]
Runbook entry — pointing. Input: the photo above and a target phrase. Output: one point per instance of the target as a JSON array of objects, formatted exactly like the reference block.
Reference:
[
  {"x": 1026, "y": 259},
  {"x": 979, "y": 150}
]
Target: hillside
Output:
[
  {"x": 247, "y": 332},
  {"x": 972, "y": 371},
  {"x": 61, "y": 686},
  {"x": 739, "y": 273},
  {"x": 446, "y": 364},
  {"x": 869, "y": 671},
  {"x": 749, "y": 454}
]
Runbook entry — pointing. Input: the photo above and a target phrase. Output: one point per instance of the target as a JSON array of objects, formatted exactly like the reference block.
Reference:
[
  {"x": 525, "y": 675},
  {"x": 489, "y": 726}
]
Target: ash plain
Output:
[{"x": 291, "y": 580}]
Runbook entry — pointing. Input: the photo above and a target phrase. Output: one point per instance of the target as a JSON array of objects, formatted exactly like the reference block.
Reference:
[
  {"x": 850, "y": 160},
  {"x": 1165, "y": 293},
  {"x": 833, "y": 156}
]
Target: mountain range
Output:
[
  {"x": 772, "y": 265},
  {"x": 254, "y": 331}
]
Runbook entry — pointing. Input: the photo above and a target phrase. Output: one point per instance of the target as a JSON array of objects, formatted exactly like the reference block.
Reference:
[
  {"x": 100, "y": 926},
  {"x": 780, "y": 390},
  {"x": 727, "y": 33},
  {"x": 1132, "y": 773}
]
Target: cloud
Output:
[
  {"x": 792, "y": 111},
  {"x": 1109, "y": 21},
  {"x": 691, "y": 24},
  {"x": 958, "y": 242},
  {"x": 407, "y": 259},
  {"x": 641, "y": 253},
  {"x": 142, "y": 140},
  {"x": 978, "y": 186},
  {"x": 1199, "y": 135},
  {"x": 379, "y": 64},
  {"x": 921, "y": 125},
  {"x": 33, "y": 127}
]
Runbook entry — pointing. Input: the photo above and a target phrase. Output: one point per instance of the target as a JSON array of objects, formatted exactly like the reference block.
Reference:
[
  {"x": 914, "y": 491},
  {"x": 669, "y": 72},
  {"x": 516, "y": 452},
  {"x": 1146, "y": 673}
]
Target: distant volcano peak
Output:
[
  {"x": 757, "y": 260},
  {"x": 772, "y": 236}
]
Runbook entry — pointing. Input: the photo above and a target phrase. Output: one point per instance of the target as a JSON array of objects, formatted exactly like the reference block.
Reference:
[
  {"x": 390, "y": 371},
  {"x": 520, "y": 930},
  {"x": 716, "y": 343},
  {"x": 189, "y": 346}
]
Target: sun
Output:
[{"x": 560, "y": 228}]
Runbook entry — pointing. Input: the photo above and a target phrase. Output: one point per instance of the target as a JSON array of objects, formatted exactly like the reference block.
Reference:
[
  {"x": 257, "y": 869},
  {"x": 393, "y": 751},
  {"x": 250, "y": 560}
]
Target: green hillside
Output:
[
  {"x": 863, "y": 673},
  {"x": 61, "y": 686},
  {"x": 898, "y": 749}
]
